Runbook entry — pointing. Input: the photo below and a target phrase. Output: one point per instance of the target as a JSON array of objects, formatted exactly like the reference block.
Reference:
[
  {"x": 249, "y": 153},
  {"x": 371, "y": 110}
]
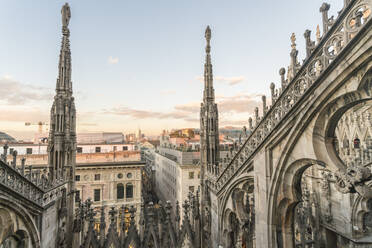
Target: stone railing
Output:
[
  {"x": 337, "y": 34},
  {"x": 18, "y": 183},
  {"x": 33, "y": 185}
]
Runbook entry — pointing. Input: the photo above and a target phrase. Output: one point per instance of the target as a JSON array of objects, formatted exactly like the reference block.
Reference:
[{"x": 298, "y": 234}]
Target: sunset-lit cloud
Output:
[
  {"x": 234, "y": 110},
  {"x": 14, "y": 92}
]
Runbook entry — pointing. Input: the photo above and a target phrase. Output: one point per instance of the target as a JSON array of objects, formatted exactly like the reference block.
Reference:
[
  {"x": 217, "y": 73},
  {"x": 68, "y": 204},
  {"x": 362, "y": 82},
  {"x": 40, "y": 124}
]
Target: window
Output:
[
  {"x": 125, "y": 148},
  {"x": 129, "y": 175},
  {"x": 79, "y": 149},
  {"x": 120, "y": 191},
  {"x": 11, "y": 150},
  {"x": 356, "y": 143},
  {"x": 28, "y": 150},
  {"x": 114, "y": 148},
  {"x": 120, "y": 175},
  {"x": 97, "y": 194},
  {"x": 199, "y": 175},
  {"x": 77, "y": 196},
  {"x": 98, "y": 149},
  {"x": 97, "y": 177},
  {"x": 77, "y": 178},
  {"x": 191, "y": 188},
  {"x": 191, "y": 175},
  {"x": 129, "y": 190}
]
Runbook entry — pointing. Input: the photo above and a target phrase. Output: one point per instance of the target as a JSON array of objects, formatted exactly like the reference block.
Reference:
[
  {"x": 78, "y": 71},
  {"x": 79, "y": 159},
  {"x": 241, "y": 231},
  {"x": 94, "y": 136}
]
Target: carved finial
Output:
[
  {"x": 186, "y": 206},
  {"x": 293, "y": 41},
  {"x": 168, "y": 209},
  {"x": 272, "y": 91},
  {"x": 14, "y": 158},
  {"x": 257, "y": 118},
  {"x": 112, "y": 213},
  {"x": 103, "y": 214},
  {"x": 5, "y": 152},
  {"x": 326, "y": 21},
  {"x": 309, "y": 43},
  {"x": 23, "y": 164},
  {"x": 132, "y": 212},
  {"x": 250, "y": 124},
  {"x": 264, "y": 109},
  {"x": 282, "y": 75},
  {"x": 292, "y": 70},
  {"x": 318, "y": 37},
  {"x": 90, "y": 212}
]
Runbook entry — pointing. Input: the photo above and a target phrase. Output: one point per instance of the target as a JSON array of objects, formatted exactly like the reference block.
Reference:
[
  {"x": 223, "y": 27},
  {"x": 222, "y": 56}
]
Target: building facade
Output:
[{"x": 176, "y": 174}]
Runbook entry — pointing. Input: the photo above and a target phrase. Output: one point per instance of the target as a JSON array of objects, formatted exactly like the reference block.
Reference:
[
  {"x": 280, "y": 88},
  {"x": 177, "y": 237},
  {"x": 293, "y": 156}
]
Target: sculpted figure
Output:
[
  {"x": 66, "y": 15},
  {"x": 354, "y": 180}
]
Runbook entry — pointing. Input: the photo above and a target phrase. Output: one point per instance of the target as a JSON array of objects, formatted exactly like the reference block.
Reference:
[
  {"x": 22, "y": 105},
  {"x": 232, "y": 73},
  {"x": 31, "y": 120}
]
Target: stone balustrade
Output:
[{"x": 33, "y": 185}]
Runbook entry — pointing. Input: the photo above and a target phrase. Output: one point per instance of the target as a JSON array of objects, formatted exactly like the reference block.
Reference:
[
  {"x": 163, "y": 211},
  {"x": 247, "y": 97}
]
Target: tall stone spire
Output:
[
  {"x": 62, "y": 134},
  {"x": 209, "y": 142},
  {"x": 209, "y": 116}
]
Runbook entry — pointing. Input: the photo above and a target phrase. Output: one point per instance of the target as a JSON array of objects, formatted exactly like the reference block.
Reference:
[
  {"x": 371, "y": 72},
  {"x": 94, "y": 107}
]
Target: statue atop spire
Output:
[
  {"x": 208, "y": 75},
  {"x": 294, "y": 65},
  {"x": 66, "y": 15}
]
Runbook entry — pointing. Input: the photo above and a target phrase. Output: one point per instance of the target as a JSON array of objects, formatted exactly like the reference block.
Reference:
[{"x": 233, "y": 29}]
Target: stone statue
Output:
[
  {"x": 61, "y": 237},
  {"x": 66, "y": 15}
]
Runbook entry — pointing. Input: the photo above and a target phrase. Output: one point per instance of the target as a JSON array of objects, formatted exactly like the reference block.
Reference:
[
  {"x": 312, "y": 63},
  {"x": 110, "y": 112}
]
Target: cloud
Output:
[
  {"x": 14, "y": 92},
  {"x": 24, "y": 114},
  {"x": 229, "y": 80},
  {"x": 238, "y": 103},
  {"x": 234, "y": 110},
  {"x": 146, "y": 114},
  {"x": 191, "y": 107},
  {"x": 113, "y": 60},
  {"x": 228, "y": 104}
]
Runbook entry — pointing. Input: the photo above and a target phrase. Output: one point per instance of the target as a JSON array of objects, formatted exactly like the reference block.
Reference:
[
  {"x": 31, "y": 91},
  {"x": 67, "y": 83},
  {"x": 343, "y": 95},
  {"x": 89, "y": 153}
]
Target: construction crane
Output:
[{"x": 40, "y": 124}]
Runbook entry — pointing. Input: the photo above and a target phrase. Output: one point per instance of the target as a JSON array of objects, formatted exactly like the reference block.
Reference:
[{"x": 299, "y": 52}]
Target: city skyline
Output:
[{"x": 120, "y": 79}]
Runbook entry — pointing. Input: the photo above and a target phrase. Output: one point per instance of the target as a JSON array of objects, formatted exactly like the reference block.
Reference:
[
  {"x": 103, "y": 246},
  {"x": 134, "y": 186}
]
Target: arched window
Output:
[
  {"x": 129, "y": 190},
  {"x": 120, "y": 191},
  {"x": 356, "y": 143}
]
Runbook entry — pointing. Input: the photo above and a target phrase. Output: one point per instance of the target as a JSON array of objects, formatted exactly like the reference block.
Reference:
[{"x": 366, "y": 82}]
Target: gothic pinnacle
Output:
[
  {"x": 208, "y": 36},
  {"x": 208, "y": 75}
]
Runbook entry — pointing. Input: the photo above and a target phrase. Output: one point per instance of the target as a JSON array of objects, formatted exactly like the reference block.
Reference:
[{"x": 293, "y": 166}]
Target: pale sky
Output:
[{"x": 140, "y": 63}]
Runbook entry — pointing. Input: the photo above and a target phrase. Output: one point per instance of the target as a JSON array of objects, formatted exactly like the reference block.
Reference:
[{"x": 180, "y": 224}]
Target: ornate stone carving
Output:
[
  {"x": 337, "y": 34},
  {"x": 353, "y": 180}
]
